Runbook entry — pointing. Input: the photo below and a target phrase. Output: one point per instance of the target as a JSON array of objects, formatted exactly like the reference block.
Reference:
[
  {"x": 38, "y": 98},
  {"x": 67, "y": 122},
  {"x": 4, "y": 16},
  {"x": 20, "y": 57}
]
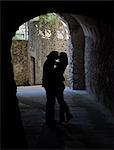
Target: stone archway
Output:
[{"x": 38, "y": 47}]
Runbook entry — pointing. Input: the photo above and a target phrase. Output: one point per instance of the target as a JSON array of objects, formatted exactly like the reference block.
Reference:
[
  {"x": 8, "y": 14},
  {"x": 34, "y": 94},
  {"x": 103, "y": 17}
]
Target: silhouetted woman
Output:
[{"x": 60, "y": 86}]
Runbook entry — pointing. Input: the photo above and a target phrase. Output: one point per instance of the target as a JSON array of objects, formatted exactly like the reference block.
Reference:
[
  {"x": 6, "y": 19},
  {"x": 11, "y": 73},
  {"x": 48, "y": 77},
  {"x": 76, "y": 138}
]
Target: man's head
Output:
[{"x": 53, "y": 55}]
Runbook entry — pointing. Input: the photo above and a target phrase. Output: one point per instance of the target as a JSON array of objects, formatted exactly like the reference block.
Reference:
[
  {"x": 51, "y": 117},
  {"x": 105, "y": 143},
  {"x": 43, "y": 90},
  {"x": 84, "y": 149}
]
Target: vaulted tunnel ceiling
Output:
[{"x": 19, "y": 12}]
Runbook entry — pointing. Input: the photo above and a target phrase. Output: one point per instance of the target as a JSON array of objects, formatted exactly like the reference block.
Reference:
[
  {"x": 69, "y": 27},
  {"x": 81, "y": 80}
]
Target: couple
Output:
[{"x": 53, "y": 82}]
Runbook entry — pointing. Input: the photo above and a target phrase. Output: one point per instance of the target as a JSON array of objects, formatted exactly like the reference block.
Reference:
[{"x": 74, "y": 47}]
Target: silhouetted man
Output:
[{"x": 49, "y": 83}]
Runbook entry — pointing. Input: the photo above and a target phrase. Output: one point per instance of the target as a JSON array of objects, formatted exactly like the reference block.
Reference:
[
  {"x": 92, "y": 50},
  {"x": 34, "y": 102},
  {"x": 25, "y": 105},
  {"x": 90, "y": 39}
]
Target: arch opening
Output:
[{"x": 43, "y": 34}]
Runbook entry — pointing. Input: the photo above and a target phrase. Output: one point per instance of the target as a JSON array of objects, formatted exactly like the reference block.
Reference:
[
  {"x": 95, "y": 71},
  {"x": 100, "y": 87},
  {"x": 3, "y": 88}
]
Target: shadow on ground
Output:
[
  {"x": 92, "y": 125},
  {"x": 69, "y": 137},
  {"x": 62, "y": 136}
]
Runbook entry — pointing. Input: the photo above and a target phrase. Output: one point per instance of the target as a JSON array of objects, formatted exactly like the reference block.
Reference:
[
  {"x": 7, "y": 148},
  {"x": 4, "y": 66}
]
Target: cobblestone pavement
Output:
[{"x": 92, "y": 126}]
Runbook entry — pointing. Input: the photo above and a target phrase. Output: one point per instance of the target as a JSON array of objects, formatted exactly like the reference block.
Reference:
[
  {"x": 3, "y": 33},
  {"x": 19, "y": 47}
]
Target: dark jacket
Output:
[{"x": 48, "y": 79}]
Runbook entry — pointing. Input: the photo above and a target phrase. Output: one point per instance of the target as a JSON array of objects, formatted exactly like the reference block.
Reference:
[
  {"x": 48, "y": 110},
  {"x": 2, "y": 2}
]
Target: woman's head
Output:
[{"x": 63, "y": 57}]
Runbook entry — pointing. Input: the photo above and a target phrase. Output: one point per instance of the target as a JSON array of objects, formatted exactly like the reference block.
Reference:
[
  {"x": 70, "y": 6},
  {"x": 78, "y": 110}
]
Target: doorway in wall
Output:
[{"x": 33, "y": 69}]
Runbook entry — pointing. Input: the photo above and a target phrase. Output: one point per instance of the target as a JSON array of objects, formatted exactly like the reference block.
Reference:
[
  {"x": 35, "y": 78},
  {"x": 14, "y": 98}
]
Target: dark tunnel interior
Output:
[{"x": 96, "y": 21}]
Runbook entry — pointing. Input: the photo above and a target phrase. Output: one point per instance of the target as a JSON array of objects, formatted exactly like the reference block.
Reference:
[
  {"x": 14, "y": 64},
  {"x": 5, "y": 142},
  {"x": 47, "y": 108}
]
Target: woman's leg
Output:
[{"x": 64, "y": 109}]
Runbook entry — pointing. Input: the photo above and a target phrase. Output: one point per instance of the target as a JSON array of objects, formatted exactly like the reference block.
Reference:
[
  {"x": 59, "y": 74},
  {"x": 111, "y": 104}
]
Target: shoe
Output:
[{"x": 69, "y": 117}]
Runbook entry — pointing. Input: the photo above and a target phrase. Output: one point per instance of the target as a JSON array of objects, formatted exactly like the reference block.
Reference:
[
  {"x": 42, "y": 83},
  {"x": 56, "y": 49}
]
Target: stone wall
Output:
[
  {"x": 99, "y": 60},
  {"x": 104, "y": 87},
  {"x": 78, "y": 57},
  {"x": 19, "y": 55},
  {"x": 76, "y": 53},
  {"x": 98, "y": 57}
]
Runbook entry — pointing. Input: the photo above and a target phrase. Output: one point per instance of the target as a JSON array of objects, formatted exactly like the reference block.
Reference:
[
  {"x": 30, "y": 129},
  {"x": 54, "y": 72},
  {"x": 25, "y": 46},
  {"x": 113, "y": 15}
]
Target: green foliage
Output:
[
  {"x": 52, "y": 18},
  {"x": 48, "y": 19},
  {"x": 49, "y": 22}
]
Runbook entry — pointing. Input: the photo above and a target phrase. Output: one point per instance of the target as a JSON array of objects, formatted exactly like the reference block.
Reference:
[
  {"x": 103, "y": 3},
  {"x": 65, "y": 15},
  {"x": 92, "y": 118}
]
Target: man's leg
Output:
[
  {"x": 50, "y": 107},
  {"x": 60, "y": 99}
]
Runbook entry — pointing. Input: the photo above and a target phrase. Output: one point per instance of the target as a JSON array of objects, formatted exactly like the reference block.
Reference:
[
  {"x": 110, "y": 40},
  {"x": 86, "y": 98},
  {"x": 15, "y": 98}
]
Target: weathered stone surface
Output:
[
  {"x": 99, "y": 60},
  {"x": 76, "y": 53},
  {"x": 20, "y": 61}
]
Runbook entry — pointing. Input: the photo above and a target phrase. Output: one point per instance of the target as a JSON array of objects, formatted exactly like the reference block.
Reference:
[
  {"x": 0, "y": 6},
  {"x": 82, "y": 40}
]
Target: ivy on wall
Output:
[{"x": 48, "y": 21}]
